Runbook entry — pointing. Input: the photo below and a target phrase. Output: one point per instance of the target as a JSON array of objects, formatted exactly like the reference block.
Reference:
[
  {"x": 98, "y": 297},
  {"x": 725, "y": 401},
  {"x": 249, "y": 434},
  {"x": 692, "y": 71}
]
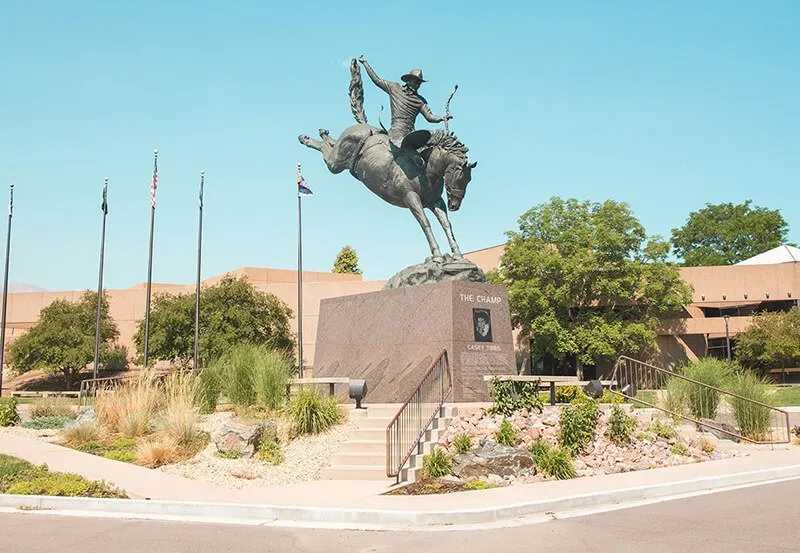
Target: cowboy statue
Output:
[
  {"x": 408, "y": 168},
  {"x": 406, "y": 104}
]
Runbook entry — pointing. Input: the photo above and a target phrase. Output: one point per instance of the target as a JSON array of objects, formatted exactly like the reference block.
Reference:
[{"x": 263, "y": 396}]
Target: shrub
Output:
[
  {"x": 538, "y": 448},
  {"x": 679, "y": 449},
  {"x": 675, "y": 398},
  {"x": 13, "y": 469},
  {"x": 436, "y": 464},
  {"x": 753, "y": 420},
  {"x": 608, "y": 397},
  {"x": 131, "y": 406},
  {"x": 154, "y": 453},
  {"x": 89, "y": 447},
  {"x": 578, "y": 423},
  {"x": 620, "y": 426},
  {"x": 509, "y": 396},
  {"x": 505, "y": 434},
  {"x": 180, "y": 414},
  {"x": 52, "y": 407},
  {"x": 662, "y": 430},
  {"x": 228, "y": 454},
  {"x": 310, "y": 413},
  {"x": 120, "y": 455},
  {"x": 703, "y": 402},
  {"x": 8, "y": 412},
  {"x": 124, "y": 443},
  {"x": 65, "y": 485},
  {"x": 117, "y": 359},
  {"x": 270, "y": 452},
  {"x": 247, "y": 375},
  {"x": 41, "y": 423},
  {"x": 565, "y": 394},
  {"x": 462, "y": 443},
  {"x": 84, "y": 434},
  {"x": 479, "y": 485},
  {"x": 553, "y": 461},
  {"x": 707, "y": 447}
]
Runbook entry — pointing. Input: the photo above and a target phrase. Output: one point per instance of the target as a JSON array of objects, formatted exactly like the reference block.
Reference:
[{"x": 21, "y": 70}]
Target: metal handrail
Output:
[
  {"x": 404, "y": 433},
  {"x": 620, "y": 382}
]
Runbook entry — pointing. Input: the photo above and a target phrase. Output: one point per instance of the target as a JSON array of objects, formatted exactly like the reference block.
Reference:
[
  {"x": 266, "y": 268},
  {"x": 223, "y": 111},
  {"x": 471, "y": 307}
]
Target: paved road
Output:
[{"x": 753, "y": 520}]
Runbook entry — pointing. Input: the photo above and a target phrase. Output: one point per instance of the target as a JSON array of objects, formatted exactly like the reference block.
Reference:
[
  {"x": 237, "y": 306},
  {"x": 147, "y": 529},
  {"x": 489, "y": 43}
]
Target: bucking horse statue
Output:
[{"x": 397, "y": 166}]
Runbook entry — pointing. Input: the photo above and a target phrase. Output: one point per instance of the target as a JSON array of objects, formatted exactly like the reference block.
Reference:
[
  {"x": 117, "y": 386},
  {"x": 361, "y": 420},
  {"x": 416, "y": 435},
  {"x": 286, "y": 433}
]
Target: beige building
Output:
[{"x": 772, "y": 282}]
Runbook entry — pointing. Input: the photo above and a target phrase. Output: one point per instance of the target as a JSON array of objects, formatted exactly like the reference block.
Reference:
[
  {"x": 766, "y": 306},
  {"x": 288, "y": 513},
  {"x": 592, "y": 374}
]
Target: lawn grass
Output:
[
  {"x": 784, "y": 396},
  {"x": 20, "y": 477},
  {"x": 33, "y": 400}
]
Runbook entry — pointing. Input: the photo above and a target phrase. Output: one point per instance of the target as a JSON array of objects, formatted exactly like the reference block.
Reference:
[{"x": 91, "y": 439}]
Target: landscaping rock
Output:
[
  {"x": 86, "y": 416},
  {"x": 717, "y": 433},
  {"x": 494, "y": 459},
  {"x": 241, "y": 437}
]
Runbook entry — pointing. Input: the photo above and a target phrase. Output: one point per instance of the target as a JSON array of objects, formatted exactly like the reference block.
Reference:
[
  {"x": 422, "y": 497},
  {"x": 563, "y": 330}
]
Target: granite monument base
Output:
[{"x": 390, "y": 338}]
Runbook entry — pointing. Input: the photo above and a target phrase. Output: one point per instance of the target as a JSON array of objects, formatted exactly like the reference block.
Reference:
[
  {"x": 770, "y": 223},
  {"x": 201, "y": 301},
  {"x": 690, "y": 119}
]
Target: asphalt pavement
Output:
[{"x": 757, "y": 519}]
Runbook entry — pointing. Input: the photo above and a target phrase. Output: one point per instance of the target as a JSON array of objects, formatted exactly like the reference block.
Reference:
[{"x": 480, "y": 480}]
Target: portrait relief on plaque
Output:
[{"x": 482, "y": 325}]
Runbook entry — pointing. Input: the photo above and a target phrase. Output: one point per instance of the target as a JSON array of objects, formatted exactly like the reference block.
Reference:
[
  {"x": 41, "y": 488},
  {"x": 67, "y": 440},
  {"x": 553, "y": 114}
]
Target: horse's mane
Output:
[{"x": 449, "y": 142}]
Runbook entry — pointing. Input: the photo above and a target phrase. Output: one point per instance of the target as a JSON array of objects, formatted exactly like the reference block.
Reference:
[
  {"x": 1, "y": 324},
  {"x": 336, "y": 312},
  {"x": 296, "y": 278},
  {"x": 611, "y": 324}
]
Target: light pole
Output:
[{"x": 727, "y": 337}]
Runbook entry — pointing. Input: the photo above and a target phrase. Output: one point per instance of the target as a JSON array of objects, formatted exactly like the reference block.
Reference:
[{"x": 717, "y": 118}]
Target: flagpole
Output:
[
  {"x": 197, "y": 284},
  {"x": 299, "y": 280},
  {"x": 100, "y": 281},
  {"x": 153, "y": 186},
  {"x": 5, "y": 288}
]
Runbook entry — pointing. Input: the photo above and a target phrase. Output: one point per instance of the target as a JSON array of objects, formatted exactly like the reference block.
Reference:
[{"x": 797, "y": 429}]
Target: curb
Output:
[{"x": 379, "y": 518}]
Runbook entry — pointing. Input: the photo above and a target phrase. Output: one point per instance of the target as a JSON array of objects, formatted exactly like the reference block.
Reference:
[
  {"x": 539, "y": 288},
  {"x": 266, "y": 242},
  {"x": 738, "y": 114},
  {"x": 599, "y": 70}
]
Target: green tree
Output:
[
  {"x": 346, "y": 261},
  {"x": 231, "y": 312},
  {"x": 62, "y": 340},
  {"x": 584, "y": 280},
  {"x": 771, "y": 339},
  {"x": 724, "y": 234}
]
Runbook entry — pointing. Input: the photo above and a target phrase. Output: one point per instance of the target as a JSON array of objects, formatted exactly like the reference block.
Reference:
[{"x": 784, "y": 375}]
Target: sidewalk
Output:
[{"x": 361, "y": 503}]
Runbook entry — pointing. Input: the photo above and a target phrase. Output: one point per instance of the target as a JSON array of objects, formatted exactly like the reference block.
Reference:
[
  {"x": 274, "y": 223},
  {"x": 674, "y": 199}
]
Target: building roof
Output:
[{"x": 781, "y": 254}]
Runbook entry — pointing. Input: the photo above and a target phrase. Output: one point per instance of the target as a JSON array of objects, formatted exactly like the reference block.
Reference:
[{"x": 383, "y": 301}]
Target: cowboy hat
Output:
[{"x": 413, "y": 74}]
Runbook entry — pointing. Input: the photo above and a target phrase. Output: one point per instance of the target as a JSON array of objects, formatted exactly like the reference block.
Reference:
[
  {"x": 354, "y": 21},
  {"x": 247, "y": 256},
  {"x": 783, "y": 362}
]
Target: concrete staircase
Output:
[{"x": 363, "y": 455}]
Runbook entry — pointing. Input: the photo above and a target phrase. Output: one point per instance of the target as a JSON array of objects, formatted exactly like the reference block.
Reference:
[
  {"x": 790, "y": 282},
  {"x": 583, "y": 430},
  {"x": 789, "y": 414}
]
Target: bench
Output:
[
  {"x": 545, "y": 381},
  {"x": 16, "y": 393},
  {"x": 331, "y": 382}
]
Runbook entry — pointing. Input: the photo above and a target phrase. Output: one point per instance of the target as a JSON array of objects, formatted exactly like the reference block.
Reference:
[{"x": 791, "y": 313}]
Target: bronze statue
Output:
[
  {"x": 404, "y": 167},
  {"x": 406, "y": 104}
]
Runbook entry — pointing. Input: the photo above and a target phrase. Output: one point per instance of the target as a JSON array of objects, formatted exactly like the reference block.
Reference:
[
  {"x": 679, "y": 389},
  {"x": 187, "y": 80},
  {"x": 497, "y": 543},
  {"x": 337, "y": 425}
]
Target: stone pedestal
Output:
[{"x": 391, "y": 337}]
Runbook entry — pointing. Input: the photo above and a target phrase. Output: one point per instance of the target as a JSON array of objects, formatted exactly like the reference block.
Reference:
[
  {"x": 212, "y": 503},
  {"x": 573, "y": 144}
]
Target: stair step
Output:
[
  {"x": 360, "y": 435},
  {"x": 374, "y": 424},
  {"x": 355, "y": 472},
  {"x": 364, "y": 446},
  {"x": 371, "y": 459}
]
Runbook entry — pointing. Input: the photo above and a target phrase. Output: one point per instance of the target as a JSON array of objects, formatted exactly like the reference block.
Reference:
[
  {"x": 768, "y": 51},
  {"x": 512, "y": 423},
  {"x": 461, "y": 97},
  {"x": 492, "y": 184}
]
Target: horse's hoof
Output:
[
  {"x": 323, "y": 133},
  {"x": 439, "y": 259},
  {"x": 304, "y": 138}
]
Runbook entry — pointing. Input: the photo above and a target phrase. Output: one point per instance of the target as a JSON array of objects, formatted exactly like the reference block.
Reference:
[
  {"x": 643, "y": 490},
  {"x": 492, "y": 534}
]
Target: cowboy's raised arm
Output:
[
  {"x": 427, "y": 114},
  {"x": 380, "y": 83}
]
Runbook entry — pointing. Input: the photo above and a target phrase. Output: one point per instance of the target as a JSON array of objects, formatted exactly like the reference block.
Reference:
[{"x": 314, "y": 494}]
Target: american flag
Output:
[
  {"x": 154, "y": 182},
  {"x": 302, "y": 187}
]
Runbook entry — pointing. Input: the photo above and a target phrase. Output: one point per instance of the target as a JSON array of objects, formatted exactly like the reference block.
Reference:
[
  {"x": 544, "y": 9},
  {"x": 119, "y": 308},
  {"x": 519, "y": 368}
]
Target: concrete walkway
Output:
[{"x": 361, "y": 501}]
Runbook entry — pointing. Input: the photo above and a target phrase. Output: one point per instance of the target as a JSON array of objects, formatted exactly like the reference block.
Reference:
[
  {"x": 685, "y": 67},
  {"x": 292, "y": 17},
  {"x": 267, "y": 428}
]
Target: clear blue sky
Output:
[{"x": 664, "y": 105}]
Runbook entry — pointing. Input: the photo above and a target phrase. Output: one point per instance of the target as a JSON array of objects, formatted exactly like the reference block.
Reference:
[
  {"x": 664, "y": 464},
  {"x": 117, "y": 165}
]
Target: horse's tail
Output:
[{"x": 357, "y": 93}]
